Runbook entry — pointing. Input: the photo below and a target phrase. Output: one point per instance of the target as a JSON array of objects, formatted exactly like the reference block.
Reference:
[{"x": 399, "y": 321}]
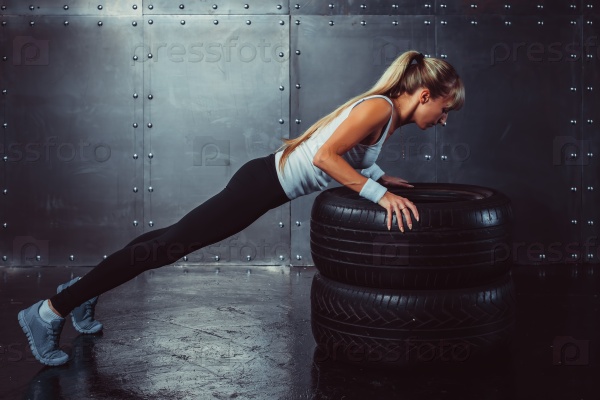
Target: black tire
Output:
[
  {"x": 462, "y": 239},
  {"x": 386, "y": 327}
]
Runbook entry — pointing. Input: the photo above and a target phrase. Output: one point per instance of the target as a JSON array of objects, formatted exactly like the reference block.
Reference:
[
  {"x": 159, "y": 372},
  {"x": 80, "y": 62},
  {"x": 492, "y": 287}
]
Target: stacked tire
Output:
[{"x": 439, "y": 293}]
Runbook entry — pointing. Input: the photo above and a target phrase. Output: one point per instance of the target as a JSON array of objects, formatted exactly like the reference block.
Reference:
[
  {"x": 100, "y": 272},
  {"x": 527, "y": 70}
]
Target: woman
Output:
[{"x": 414, "y": 89}]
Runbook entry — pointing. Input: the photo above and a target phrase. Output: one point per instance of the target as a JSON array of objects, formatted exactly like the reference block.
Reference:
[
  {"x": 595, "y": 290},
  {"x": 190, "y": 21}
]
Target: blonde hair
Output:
[{"x": 402, "y": 76}]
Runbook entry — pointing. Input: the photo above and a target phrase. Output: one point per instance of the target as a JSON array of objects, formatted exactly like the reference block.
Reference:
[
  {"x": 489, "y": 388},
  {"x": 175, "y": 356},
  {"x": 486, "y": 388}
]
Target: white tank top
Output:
[{"x": 301, "y": 177}]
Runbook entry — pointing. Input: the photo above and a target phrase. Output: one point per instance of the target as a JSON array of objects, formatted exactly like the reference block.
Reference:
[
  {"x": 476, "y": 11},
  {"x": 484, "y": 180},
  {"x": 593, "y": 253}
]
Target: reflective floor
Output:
[{"x": 244, "y": 333}]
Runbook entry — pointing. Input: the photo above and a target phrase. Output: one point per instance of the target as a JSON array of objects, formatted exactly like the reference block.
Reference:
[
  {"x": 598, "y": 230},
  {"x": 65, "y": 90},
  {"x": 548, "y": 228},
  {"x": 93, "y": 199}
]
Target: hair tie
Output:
[{"x": 419, "y": 57}]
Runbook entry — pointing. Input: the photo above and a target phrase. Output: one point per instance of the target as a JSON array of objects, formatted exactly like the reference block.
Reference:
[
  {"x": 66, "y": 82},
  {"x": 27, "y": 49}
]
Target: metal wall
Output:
[{"x": 119, "y": 118}]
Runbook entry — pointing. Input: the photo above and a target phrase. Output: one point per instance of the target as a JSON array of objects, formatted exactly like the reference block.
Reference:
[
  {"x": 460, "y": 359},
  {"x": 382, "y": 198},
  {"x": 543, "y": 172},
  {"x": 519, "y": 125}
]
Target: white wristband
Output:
[
  {"x": 373, "y": 172},
  {"x": 372, "y": 191}
]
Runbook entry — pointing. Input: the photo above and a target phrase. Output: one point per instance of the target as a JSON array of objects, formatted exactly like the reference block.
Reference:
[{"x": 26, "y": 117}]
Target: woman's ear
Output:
[{"x": 424, "y": 96}]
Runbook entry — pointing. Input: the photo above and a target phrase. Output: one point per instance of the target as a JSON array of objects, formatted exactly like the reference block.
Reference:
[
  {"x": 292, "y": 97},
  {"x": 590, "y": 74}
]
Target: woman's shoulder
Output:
[{"x": 377, "y": 106}]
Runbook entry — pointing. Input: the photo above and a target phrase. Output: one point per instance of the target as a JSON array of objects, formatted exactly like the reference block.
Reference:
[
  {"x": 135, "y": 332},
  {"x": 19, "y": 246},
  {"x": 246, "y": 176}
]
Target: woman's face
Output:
[{"x": 431, "y": 111}]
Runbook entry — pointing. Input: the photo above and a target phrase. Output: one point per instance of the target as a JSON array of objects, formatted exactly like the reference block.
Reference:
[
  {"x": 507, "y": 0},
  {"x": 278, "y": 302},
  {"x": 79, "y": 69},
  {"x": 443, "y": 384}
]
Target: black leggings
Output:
[{"x": 252, "y": 191}]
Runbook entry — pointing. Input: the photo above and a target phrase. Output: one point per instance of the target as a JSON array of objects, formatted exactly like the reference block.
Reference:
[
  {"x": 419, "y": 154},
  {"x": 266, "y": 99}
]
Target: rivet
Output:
[
  {"x": 31, "y": 23},
  {"x": 441, "y": 22},
  {"x": 135, "y": 58},
  {"x": 5, "y": 125},
  {"x": 151, "y": 223},
  {"x": 5, "y": 192},
  {"x": 573, "y": 22},
  {"x": 134, "y": 23},
  {"x": 297, "y": 22},
  {"x": 150, "y": 7},
  {"x": 473, "y": 5},
  {"x": 150, "y": 97},
  {"x": 298, "y": 86},
  {"x": 298, "y": 257},
  {"x": 507, "y": 23},
  {"x": 248, "y": 22},
  {"x": 71, "y": 257},
  {"x": 281, "y": 22},
  {"x": 248, "y": 258},
  {"x": 540, "y": 6},
  {"x": 150, "y": 22},
  {"x": 281, "y": 225},
  {"x": 281, "y": 54},
  {"x": 573, "y": 189},
  {"x": 298, "y": 223},
  {"x": 574, "y": 222},
  {"x": 573, "y": 122},
  {"x": 185, "y": 258},
  {"x": 280, "y": 258},
  {"x": 331, "y": 23},
  {"x": 31, "y": 8},
  {"x": 181, "y": 6},
  {"x": 507, "y": 6},
  {"x": 4, "y": 91},
  {"x": 135, "y": 190},
  {"x": 135, "y": 156},
  {"x": 217, "y": 258},
  {"x": 443, "y": 55},
  {"x": 473, "y": 22},
  {"x": 66, "y": 7},
  {"x": 100, "y": 7},
  {"x": 573, "y": 6},
  {"x": 281, "y": 88},
  {"x": 66, "y": 23},
  {"x": 246, "y": 6},
  {"x": 298, "y": 52},
  {"x": 281, "y": 121},
  {"x": 590, "y": 155},
  {"x": 590, "y": 188},
  {"x": 395, "y": 6},
  {"x": 182, "y": 22},
  {"x": 5, "y": 225},
  {"x": 135, "y": 223},
  {"x": 443, "y": 6},
  {"x": 150, "y": 155},
  {"x": 135, "y": 95},
  {"x": 427, "y": 5},
  {"x": 590, "y": 223},
  {"x": 279, "y": 6},
  {"x": 149, "y": 55},
  {"x": 298, "y": 121},
  {"x": 216, "y": 22},
  {"x": 540, "y": 22},
  {"x": 395, "y": 23},
  {"x": 4, "y": 258},
  {"x": 444, "y": 158},
  {"x": 589, "y": 22},
  {"x": 573, "y": 89},
  {"x": 150, "y": 189},
  {"x": 297, "y": 6},
  {"x": 149, "y": 124},
  {"x": 573, "y": 156},
  {"x": 134, "y": 7},
  {"x": 363, "y": 23},
  {"x": 590, "y": 121},
  {"x": 135, "y": 125},
  {"x": 363, "y": 6},
  {"x": 3, "y": 23},
  {"x": 99, "y": 23},
  {"x": 214, "y": 6},
  {"x": 331, "y": 5}
]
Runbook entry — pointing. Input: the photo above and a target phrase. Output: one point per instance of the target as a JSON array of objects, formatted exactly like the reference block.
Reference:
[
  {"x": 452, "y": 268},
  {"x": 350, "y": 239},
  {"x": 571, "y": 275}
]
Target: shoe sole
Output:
[
  {"x": 81, "y": 330},
  {"x": 34, "y": 351}
]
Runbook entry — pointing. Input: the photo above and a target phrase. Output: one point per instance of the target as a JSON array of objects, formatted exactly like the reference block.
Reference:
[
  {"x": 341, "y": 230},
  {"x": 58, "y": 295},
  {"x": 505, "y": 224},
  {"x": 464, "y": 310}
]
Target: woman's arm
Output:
[{"x": 365, "y": 119}]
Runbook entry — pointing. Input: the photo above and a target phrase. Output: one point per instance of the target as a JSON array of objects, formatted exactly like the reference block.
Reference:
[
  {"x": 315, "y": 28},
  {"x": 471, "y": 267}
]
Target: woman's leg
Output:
[{"x": 253, "y": 190}]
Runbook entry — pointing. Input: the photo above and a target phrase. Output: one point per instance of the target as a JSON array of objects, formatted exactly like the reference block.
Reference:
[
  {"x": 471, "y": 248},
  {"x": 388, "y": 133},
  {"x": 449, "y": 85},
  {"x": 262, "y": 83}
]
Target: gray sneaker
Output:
[
  {"x": 43, "y": 337},
  {"x": 83, "y": 315}
]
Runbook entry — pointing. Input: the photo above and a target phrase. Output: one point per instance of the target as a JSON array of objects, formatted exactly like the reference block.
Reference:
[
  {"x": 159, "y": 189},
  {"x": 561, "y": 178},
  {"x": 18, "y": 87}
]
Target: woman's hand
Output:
[
  {"x": 398, "y": 204},
  {"x": 393, "y": 181}
]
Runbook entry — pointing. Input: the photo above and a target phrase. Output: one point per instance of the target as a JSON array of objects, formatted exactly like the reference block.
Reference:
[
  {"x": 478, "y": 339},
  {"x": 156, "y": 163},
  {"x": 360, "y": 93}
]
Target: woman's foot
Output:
[
  {"x": 43, "y": 336},
  {"x": 83, "y": 315}
]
